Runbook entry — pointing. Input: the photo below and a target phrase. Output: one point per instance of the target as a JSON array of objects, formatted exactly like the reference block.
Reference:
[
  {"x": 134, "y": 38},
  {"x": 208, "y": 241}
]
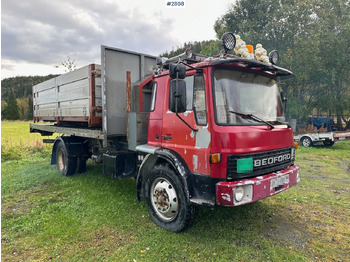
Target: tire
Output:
[
  {"x": 81, "y": 165},
  {"x": 328, "y": 143},
  {"x": 166, "y": 200},
  {"x": 67, "y": 166},
  {"x": 306, "y": 142}
]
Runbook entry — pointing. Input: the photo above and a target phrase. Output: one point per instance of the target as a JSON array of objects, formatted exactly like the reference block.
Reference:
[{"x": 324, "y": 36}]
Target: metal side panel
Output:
[
  {"x": 78, "y": 74},
  {"x": 115, "y": 65},
  {"x": 138, "y": 123},
  {"x": 71, "y": 97}
]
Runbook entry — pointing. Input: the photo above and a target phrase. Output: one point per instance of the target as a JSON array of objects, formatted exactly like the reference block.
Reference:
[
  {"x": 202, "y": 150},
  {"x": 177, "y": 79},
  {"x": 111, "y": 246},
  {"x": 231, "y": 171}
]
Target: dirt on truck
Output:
[{"x": 191, "y": 130}]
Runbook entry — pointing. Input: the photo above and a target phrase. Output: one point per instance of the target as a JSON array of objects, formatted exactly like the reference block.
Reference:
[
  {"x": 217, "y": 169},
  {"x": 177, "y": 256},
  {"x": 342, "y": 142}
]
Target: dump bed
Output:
[
  {"x": 71, "y": 98},
  {"x": 95, "y": 98}
]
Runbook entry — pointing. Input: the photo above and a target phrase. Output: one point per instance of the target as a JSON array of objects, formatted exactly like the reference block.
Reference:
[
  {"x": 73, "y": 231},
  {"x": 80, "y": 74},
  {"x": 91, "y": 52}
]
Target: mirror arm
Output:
[
  {"x": 187, "y": 124},
  {"x": 177, "y": 114}
]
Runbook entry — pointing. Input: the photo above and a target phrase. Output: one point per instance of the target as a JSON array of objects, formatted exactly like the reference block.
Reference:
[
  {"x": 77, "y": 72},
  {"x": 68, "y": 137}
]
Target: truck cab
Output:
[{"x": 223, "y": 133}]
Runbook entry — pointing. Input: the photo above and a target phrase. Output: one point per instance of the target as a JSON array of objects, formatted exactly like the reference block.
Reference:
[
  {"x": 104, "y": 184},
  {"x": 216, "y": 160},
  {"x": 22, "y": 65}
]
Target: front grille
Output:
[{"x": 269, "y": 162}]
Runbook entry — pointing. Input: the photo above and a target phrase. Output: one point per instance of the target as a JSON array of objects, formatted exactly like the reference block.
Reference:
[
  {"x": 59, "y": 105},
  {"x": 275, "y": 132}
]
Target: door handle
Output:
[{"x": 167, "y": 137}]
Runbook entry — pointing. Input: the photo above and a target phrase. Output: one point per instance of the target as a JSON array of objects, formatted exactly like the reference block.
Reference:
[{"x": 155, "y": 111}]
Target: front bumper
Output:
[{"x": 249, "y": 190}]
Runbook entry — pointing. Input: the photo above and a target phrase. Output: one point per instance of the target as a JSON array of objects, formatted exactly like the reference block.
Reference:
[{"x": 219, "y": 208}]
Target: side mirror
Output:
[
  {"x": 177, "y": 71},
  {"x": 177, "y": 99}
]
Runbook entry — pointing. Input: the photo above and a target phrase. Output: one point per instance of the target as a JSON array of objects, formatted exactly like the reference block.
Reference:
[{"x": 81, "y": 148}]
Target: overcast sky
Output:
[{"x": 38, "y": 35}]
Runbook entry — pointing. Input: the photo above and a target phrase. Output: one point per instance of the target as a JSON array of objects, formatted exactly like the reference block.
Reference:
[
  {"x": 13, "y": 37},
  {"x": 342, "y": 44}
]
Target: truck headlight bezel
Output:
[{"x": 239, "y": 193}]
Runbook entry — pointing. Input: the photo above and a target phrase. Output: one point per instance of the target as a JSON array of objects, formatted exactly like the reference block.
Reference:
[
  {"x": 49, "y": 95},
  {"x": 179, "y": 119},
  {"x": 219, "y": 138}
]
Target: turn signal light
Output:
[
  {"x": 296, "y": 145},
  {"x": 215, "y": 158}
]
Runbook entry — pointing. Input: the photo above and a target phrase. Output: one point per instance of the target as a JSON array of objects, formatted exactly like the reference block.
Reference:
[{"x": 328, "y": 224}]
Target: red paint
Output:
[
  {"x": 168, "y": 131},
  {"x": 174, "y": 134},
  {"x": 261, "y": 187}
]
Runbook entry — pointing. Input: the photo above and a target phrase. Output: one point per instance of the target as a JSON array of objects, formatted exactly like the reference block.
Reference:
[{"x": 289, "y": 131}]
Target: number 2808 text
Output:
[{"x": 181, "y": 3}]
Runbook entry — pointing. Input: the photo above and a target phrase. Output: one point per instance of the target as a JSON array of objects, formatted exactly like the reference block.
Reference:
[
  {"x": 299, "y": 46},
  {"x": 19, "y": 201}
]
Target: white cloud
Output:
[{"x": 41, "y": 32}]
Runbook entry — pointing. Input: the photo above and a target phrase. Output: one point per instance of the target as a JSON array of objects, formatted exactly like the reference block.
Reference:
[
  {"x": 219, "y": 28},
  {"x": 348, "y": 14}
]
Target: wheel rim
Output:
[
  {"x": 306, "y": 142},
  {"x": 60, "y": 159},
  {"x": 164, "y": 199}
]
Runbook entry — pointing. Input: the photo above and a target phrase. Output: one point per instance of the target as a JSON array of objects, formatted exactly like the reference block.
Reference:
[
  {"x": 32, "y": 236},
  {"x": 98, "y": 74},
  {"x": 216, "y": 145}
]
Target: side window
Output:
[
  {"x": 189, "y": 92},
  {"x": 195, "y": 98},
  {"x": 199, "y": 105},
  {"x": 153, "y": 98},
  {"x": 148, "y": 97}
]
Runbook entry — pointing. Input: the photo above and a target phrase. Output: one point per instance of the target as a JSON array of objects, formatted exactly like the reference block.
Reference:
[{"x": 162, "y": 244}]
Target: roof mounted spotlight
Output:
[
  {"x": 274, "y": 57},
  {"x": 228, "y": 41}
]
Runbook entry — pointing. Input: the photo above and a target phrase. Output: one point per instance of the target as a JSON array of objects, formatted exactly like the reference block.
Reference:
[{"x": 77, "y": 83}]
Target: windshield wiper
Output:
[{"x": 253, "y": 117}]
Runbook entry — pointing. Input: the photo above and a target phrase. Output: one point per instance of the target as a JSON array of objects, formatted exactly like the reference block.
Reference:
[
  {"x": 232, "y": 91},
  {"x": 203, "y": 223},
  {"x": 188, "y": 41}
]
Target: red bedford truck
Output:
[{"x": 194, "y": 131}]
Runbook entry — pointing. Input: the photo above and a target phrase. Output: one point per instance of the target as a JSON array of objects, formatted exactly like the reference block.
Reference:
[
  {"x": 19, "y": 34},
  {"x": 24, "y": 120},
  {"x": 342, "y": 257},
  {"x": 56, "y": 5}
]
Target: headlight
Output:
[{"x": 239, "y": 193}]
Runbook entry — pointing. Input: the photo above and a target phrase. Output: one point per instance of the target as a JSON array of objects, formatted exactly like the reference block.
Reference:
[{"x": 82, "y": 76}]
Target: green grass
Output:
[
  {"x": 17, "y": 142},
  {"x": 88, "y": 217}
]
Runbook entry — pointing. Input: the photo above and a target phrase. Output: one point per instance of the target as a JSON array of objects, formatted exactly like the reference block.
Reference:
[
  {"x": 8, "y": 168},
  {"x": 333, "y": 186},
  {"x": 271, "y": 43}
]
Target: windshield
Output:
[{"x": 247, "y": 93}]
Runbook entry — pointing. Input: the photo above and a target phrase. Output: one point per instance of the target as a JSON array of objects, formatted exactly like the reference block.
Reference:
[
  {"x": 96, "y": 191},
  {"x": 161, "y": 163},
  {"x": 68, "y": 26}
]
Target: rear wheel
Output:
[
  {"x": 166, "y": 200},
  {"x": 306, "y": 141},
  {"x": 66, "y": 165}
]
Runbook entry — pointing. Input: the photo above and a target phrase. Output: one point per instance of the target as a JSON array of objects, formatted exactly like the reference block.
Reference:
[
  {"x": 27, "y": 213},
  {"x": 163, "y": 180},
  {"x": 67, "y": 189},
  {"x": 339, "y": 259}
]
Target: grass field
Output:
[{"x": 88, "y": 217}]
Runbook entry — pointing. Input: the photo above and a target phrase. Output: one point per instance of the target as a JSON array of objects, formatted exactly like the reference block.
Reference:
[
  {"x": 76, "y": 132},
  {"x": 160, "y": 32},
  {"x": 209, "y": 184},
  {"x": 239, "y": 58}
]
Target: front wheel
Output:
[{"x": 166, "y": 200}]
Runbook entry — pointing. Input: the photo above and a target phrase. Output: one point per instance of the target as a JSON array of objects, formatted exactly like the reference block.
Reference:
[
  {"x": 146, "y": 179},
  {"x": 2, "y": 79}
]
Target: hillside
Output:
[
  {"x": 20, "y": 85},
  {"x": 16, "y": 96}
]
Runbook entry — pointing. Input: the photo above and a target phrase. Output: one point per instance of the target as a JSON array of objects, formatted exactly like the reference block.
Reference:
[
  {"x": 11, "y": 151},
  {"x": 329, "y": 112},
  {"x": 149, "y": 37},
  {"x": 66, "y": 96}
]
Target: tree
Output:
[
  {"x": 21, "y": 85},
  {"x": 313, "y": 38},
  {"x": 24, "y": 108},
  {"x": 3, "y": 106},
  {"x": 11, "y": 111},
  {"x": 333, "y": 31},
  {"x": 29, "y": 115},
  {"x": 69, "y": 65},
  {"x": 211, "y": 48}
]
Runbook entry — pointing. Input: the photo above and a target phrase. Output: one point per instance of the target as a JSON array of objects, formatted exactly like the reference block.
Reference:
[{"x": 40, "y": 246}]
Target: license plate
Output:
[{"x": 278, "y": 182}]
